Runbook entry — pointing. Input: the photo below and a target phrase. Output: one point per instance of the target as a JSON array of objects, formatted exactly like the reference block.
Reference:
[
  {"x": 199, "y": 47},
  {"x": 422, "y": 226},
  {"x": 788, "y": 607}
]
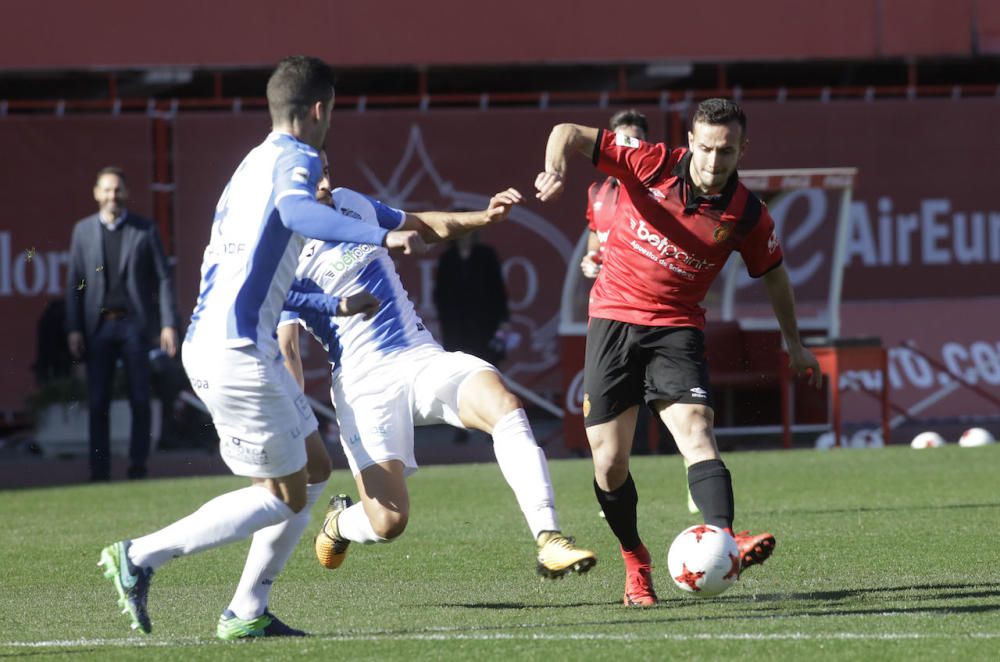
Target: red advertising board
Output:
[{"x": 925, "y": 223}]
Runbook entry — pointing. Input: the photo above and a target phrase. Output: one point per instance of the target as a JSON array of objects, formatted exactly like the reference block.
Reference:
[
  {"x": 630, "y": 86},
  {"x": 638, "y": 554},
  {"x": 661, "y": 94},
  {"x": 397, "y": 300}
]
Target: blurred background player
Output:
[
  {"x": 231, "y": 356},
  {"x": 389, "y": 375},
  {"x": 120, "y": 295},
  {"x": 645, "y": 341}
]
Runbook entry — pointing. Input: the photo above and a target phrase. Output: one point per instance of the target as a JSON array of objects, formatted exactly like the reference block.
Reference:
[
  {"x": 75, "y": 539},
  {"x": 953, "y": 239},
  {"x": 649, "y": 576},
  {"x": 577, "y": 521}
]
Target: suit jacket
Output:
[{"x": 147, "y": 276}]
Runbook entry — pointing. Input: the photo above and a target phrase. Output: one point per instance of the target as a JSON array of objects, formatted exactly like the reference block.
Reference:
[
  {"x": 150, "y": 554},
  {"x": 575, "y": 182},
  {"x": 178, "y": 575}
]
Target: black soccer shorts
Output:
[{"x": 627, "y": 364}]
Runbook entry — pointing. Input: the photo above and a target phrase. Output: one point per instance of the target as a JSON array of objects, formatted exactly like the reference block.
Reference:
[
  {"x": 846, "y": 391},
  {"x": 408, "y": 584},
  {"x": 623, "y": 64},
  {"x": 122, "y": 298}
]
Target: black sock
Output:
[
  {"x": 712, "y": 491},
  {"x": 619, "y": 508}
]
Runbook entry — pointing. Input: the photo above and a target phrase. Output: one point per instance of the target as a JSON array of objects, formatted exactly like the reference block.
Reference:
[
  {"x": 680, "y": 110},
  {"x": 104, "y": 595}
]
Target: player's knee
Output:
[
  {"x": 389, "y": 524},
  {"x": 319, "y": 469},
  {"x": 296, "y": 502}
]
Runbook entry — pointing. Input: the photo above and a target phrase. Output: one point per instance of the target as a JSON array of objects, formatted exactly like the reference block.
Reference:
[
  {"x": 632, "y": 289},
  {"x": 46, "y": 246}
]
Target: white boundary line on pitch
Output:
[{"x": 498, "y": 636}]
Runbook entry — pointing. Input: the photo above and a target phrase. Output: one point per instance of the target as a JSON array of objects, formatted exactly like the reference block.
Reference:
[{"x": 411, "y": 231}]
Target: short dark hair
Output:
[
  {"x": 110, "y": 170},
  {"x": 630, "y": 117},
  {"x": 720, "y": 112},
  {"x": 296, "y": 84}
]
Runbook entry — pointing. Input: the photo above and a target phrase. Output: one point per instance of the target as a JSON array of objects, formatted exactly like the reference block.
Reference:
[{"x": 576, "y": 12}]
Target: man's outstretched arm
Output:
[
  {"x": 563, "y": 140},
  {"x": 443, "y": 225}
]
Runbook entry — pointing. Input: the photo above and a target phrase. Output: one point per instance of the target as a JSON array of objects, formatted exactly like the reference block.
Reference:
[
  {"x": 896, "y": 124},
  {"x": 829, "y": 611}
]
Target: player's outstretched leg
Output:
[
  {"x": 638, "y": 578},
  {"x": 130, "y": 581},
  {"x": 331, "y": 549},
  {"x": 754, "y": 549},
  {"x": 558, "y": 556},
  {"x": 232, "y": 627}
]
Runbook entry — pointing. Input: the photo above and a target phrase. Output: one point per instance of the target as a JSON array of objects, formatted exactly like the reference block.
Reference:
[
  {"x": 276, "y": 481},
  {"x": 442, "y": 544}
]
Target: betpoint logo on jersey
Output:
[
  {"x": 665, "y": 247},
  {"x": 355, "y": 255}
]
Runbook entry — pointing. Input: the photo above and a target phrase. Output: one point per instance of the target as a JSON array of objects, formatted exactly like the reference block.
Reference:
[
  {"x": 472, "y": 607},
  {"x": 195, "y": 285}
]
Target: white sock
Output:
[
  {"x": 353, "y": 524},
  {"x": 526, "y": 470},
  {"x": 226, "y": 518},
  {"x": 269, "y": 552}
]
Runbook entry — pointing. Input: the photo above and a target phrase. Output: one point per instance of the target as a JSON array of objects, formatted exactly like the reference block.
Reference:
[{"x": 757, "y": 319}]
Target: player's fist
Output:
[
  {"x": 362, "y": 303},
  {"x": 549, "y": 186},
  {"x": 590, "y": 265},
  {"x": 501, "y": 204},
  {"x": 408, "y": 241}
]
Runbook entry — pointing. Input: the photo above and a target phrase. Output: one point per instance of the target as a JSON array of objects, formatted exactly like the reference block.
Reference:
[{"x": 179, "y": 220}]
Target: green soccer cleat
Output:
[
  {"x": 231, "y": 627},
  {"x": 130, "y": 581}
]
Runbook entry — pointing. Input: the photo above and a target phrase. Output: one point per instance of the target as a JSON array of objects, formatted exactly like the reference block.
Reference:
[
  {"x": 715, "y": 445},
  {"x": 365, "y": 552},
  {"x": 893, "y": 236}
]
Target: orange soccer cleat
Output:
[
  {"x": 639, "y": 578},
  {"x": 753, "y": 549}
]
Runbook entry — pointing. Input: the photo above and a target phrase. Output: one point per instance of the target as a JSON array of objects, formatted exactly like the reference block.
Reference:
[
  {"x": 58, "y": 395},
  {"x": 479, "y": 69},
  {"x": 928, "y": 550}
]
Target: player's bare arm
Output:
[
  {"x": 408, "y": 242},
  {"x": 563, "y": 140},
  {"x": 362, "y": 303},
  {"x": 288, "y": 342},
  {"x": 779, "y": 290},
  {"x": 437, "y": 226}
]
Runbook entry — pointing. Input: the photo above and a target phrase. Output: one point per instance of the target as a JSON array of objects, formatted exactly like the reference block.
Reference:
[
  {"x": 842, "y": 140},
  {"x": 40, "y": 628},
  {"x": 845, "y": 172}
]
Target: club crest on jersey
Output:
[
  {"x": 722, "y": 232},
  {"x": 626, "y": 141},
  {"x": 586, "y": 404}
]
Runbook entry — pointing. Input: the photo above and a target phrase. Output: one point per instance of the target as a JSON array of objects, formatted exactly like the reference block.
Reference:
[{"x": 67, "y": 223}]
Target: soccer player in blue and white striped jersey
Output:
[
  {"x": 389, "y": 374},
  {"x": 231, "y": 356}
]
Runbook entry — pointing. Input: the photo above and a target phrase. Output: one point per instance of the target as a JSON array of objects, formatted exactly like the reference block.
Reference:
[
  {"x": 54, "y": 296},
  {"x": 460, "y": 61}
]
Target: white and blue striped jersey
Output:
[
  {"x": 343, "y": 269},
  {"x": 250, "y": 260}
]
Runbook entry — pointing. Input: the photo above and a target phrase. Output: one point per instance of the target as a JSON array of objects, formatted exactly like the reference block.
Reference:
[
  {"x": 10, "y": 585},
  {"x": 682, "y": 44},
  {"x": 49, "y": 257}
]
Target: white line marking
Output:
[{"x": 496, "y": 636}]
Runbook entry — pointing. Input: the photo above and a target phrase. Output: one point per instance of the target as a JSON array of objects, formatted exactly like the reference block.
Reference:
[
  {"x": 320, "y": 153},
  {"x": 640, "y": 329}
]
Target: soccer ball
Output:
[
  {"x": 704, "y": 560},
  {"x": 927, "y": 440},
  {"x": 976, "y": 437}
]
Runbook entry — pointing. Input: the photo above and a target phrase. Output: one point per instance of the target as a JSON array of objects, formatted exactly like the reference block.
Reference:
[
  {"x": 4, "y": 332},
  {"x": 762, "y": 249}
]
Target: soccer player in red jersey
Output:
[{"x": 684, "y": 212}]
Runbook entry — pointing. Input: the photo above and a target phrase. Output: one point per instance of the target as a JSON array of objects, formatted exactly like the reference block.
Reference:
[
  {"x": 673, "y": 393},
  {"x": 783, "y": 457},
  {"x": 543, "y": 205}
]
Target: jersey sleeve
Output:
[
  {"x": 761, "y": 250},
  {"x": 387, "y": 217},
  {"x": 628, "y": 158},
  {"x": 296, "y": 175},
  {"x": 288, "y": 317}
]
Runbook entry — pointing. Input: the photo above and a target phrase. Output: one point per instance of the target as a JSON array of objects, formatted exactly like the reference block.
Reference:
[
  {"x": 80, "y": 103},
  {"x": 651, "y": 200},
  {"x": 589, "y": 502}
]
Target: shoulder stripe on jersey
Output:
[
  {"x": 750, "y": 213},
  {"x": 597, "y": 147}
]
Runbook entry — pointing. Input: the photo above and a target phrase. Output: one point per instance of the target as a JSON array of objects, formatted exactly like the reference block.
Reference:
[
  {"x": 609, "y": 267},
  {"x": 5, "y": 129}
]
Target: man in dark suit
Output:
[{"x": 119, "y": 295}]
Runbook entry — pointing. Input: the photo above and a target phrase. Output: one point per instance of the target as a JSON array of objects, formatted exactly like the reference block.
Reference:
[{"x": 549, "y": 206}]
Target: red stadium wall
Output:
[
  {"x": 925, "y": 232},
  {"x": 68, "y": 34}
]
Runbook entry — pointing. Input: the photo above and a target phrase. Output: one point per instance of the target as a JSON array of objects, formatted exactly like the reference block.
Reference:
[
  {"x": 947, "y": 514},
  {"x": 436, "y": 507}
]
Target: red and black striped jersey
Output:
[{"x": 668, "y": 244}]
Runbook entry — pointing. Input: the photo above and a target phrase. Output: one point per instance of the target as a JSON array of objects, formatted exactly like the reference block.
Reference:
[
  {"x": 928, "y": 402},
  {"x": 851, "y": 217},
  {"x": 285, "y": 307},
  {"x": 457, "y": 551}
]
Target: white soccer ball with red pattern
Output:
[
  {"x": 974, "y": 437},
  {"x": 704, "y": 561}
]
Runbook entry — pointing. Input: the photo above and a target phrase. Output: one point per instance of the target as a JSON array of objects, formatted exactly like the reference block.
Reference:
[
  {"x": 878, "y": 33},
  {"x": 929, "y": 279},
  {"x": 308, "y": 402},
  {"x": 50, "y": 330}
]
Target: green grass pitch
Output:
[{"x": 882, "y": 555}]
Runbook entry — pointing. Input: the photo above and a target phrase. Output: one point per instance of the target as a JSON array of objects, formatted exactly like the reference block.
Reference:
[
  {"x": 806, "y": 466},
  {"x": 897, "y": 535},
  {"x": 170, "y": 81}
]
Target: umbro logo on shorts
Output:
[{"x": 699, "y": 392}]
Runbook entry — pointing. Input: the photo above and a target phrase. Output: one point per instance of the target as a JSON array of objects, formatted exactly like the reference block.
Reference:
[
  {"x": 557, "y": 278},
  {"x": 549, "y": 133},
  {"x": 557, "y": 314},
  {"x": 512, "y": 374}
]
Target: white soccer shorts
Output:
[
  {"x": 377, "y": 409},
  {"x": 260, "y": 413}
]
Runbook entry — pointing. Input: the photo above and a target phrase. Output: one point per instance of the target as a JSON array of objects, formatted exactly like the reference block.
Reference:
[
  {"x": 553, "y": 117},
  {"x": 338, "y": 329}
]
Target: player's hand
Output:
[
  {"x": 802, "y": 362},
  {"x": 501, "y": 204},
  {"x": 168, "y": 341},
  {"x": 409, "y": 242},
  {"x": 590, "y": 265},
  {"x": 75, "y": 342},
  {"x": 362, "y": 303},
  {"x": 549, "y": 186}
]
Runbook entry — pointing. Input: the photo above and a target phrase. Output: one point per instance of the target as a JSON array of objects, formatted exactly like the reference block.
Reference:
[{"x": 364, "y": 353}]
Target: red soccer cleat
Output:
[
  {"x": 753, "y": 549},
  {"x": 639, "y": 578}
]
